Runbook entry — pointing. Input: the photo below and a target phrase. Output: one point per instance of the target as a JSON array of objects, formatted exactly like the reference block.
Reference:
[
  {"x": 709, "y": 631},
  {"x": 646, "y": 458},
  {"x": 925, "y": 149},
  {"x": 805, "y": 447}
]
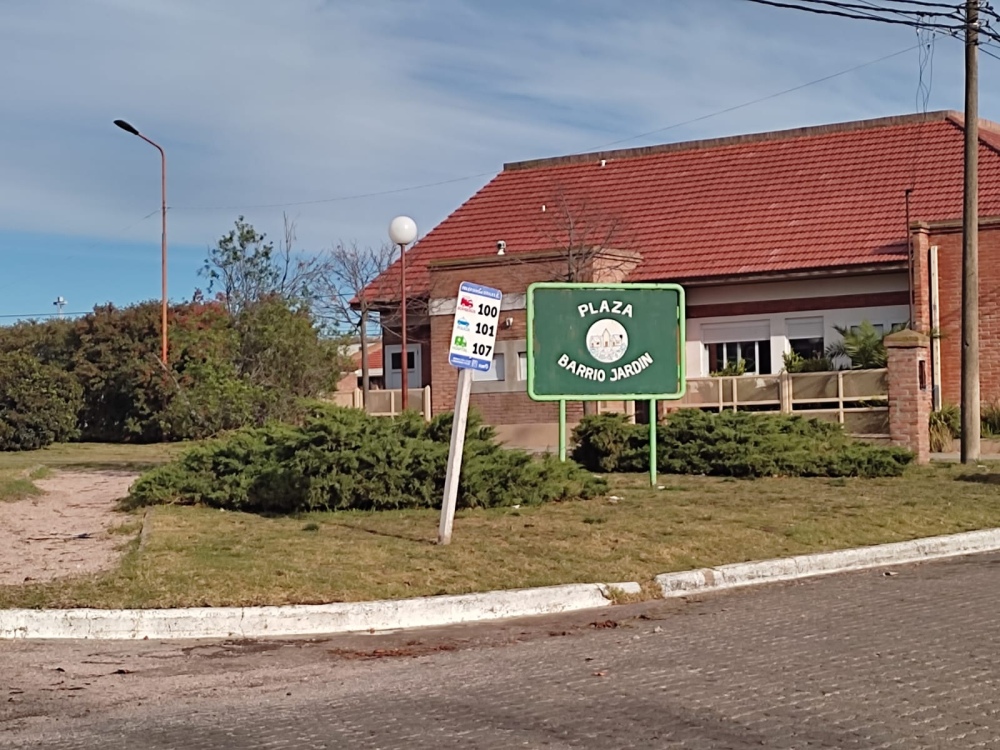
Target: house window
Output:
[
  {"x": 522, "y": 365},
  {"x": 805, "y": 336},
  {"x": 756, "y": 356},
  {"x": 879, "y": 328},
  {"x": 728, "y": 342},
  {"x": 808, "y": 348},
  {"x": 396, "y": 361},
  {"x": 495, "y": 373}
]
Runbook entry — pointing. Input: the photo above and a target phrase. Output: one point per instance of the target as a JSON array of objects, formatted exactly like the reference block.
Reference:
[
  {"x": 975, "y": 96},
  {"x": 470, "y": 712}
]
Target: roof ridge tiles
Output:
[{"x": 736, "y": 140}]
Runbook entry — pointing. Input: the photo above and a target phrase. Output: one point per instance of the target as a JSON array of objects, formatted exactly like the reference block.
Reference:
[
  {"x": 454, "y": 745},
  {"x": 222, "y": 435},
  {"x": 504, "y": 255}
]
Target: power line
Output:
[
  {"x": 595, "y": 148},
  {"x": 330, "y": 200},
  {"x": 858, "y": 16},
  {"x": 758, "y": 101},
  {"x": 30, "y": 316},
  {"x": 91, "y": 245}
]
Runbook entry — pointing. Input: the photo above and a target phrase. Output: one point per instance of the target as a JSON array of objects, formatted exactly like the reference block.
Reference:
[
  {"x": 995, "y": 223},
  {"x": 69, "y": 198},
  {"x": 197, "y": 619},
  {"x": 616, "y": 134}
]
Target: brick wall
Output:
[
  {"x": 909, "y": 392},
  {"x": 512, "y": 275},
  {"x": 948, "y": 238},
  {"x": 496, "y": 408},
  {"x": 509, "y": 274}
]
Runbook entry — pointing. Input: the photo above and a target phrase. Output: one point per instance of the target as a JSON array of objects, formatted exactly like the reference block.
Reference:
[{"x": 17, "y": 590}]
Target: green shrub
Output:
[
  {"x": 864, "y": 345},
  {"x": 735, "y": 444},
  {"x": 989, "y": 417},
  {"x": 609, "y": 442},
  {"x": 945, "y": 425},
  {"x": 731, "y": 369},
  {"x": 38, "y": 403},
  {"x": 797, "y": 363},
  {"x": 342, "y": 459}
]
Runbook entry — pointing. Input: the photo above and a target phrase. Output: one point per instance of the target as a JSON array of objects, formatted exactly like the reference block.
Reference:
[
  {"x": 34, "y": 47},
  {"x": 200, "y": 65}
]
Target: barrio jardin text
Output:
[{"x": 612, "y": 373}]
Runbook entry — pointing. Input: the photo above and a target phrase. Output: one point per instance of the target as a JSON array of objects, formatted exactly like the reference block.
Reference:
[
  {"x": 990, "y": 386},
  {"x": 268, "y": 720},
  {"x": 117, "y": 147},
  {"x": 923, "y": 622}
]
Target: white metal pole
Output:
[
  {"x": 458, "y": 424},
  {"x": 935, "y": 330}
]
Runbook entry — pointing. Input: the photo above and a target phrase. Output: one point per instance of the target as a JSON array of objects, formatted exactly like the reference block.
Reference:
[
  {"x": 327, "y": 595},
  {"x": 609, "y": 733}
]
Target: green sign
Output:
[{"x": 590, "y": 342}]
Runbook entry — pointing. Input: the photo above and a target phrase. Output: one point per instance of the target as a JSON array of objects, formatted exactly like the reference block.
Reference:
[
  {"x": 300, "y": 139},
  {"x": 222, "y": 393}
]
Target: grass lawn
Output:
[
  {"x": 18, "y": 469},
  {"x": 82, "y": 456},
  {"x": 198, "y": 556}
]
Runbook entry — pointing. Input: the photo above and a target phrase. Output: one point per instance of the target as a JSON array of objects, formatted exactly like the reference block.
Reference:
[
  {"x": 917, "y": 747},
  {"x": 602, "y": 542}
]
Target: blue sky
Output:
[{"x": 307, "y": 106}]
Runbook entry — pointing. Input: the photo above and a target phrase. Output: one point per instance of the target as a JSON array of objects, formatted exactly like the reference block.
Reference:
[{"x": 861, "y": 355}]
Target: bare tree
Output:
[
  {"x": 583, "y": 239},
  {"x": 584, "y": 242},
  {"x": 339, "y": 290}
]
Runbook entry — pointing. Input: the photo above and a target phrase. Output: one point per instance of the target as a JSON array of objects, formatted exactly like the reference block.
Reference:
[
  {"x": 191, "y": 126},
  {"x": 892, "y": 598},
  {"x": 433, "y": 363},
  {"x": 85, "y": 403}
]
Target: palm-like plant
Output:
[{"x": 863, "y": 345}]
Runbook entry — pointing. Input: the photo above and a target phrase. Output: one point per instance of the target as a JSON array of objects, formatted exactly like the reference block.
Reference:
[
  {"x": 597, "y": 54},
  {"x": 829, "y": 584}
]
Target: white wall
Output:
[
  {"x": 777, "y": 325},
  {"x": 804, "y": 289}
]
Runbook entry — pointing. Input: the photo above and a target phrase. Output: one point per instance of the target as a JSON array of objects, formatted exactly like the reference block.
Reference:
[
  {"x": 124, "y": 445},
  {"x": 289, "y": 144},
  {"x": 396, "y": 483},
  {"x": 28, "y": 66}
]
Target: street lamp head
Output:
[
  {"x": 402, "y": 230},
  {"x": 126, "y": 127}
]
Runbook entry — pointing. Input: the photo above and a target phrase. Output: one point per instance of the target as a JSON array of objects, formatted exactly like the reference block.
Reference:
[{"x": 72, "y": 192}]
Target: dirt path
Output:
[{"x": 65, "y": 531}]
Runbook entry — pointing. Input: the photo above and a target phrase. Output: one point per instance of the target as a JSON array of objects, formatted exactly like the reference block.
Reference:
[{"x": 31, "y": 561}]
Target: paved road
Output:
[{"x": 864, "y": 660}]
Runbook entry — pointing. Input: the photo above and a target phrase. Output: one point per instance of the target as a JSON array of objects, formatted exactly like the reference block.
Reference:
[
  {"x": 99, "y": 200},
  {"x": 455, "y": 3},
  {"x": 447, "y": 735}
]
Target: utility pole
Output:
[
  {"x": 60, "y": 303},
  {"x": 970, "y": 443}
]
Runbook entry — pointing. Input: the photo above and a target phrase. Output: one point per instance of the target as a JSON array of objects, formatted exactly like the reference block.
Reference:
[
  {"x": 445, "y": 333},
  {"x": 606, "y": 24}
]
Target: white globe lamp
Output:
[{"x": 402, "y": 232}]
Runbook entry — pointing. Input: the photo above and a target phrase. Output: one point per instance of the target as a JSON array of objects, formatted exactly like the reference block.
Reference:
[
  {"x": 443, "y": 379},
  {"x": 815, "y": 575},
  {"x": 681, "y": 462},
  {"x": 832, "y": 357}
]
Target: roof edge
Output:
[
  {"x": 985, "y": 222},
  {"x": 891, "y": 265},
  {"x": 734, "y": 140}
]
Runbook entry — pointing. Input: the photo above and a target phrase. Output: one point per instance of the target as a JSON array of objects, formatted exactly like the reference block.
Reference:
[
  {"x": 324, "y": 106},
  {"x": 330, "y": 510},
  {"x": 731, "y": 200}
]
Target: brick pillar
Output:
[
  {"x": 921, "y": 284},
  {"x": 910, "y": 392}
]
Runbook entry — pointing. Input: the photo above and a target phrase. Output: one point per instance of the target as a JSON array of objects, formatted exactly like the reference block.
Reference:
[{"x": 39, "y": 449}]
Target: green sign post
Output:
[{"x": 606, "y": 342}]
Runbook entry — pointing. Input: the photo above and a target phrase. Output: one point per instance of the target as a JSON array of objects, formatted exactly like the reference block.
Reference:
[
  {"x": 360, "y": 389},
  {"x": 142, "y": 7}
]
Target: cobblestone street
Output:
[{"x": 867, "y": 660}]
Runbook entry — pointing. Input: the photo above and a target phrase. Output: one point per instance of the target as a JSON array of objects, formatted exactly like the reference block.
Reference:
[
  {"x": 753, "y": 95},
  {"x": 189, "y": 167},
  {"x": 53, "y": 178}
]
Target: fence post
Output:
[
  {"x": 840, "y": 396},
  {"x": 909, "y": 394},
  {"x": 785, "y": 391}
]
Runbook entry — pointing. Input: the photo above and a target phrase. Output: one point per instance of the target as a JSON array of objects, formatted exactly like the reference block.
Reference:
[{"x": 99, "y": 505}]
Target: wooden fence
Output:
[
  {"x": 386, "y": 403},
  {"x": 857, "y": 399}
]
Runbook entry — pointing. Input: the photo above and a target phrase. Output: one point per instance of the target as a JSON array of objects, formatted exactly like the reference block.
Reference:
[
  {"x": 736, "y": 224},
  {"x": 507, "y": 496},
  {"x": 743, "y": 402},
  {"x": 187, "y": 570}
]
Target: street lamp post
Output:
[
  {"x": 163, "y": 237},
  {"x": 403, "y": 231}
]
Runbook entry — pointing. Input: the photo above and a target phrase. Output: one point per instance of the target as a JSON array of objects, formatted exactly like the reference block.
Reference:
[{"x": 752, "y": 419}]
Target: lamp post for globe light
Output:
[
  {"x": 402, "y": 232},
  {"x": 163, "y": 237}
]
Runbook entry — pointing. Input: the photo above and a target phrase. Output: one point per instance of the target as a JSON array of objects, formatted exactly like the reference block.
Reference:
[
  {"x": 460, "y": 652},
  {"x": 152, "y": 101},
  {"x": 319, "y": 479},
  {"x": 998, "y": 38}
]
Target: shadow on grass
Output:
[
  {"x": 375, "y": 532},
  {"x": 981, "y": 478},
  {"x": 121, "y": 467}
]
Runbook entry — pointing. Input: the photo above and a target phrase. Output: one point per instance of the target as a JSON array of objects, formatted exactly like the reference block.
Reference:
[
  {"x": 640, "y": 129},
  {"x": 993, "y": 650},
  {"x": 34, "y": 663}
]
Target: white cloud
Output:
[{"x": 260, "y": 102}]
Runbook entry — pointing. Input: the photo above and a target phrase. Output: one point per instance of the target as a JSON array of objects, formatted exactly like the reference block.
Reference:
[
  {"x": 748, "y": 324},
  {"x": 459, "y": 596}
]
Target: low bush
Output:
[
  {"x": 39, "y": 403},
  {"x": 734, "y": 444},
  {"x": 989, "y": 417},
  {"x": 342, "y": 459},
  {"x": 608, "y": 442},
  {"x": 797, "y": 363},
  {"x": 945, "y": 425}
]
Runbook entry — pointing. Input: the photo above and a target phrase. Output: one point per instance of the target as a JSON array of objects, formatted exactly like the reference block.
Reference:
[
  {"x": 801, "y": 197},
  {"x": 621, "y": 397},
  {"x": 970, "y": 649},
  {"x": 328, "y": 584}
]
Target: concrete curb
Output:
[
  {"x": 690, "y": 582},
  {"x": 320, "y": 619}
]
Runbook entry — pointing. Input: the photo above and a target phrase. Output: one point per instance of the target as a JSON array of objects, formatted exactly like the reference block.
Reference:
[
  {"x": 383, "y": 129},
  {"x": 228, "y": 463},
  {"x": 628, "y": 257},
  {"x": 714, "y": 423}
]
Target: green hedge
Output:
[
  {"x": 39, "y": 403},
  {"x": 734, "y": 444},
  {"x": 344, "y": 459}
]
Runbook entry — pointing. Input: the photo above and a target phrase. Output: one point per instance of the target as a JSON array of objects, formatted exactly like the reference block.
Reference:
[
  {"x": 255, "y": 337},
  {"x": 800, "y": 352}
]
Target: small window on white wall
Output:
[
  {"x": 727, "y": 344},
  {"x": 805, "y": 336},
  {"x": 495, "y": 373},
  {"x": 755, "y": 356},
  {"x": 522, "y": 365}
]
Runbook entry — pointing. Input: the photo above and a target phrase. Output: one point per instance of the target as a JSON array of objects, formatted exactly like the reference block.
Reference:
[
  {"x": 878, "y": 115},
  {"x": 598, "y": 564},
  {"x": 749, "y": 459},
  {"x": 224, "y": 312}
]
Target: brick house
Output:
[
  {"x": 777, "y": 237},
  {"x": 351, "y": 379}
]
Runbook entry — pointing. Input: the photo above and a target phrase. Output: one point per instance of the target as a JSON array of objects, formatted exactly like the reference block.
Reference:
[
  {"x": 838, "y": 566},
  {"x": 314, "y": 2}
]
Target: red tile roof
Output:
[
  {"x": 809, "y": 199},
  {"x": 374, "y": 357}
]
